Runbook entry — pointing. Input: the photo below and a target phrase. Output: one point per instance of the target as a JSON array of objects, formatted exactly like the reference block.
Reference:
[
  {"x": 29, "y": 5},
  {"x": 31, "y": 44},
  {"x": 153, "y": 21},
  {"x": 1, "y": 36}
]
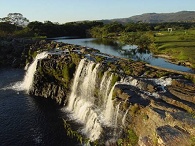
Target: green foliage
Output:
[
  {"x": 80, "y": 138},
  {"x": 145, "y": 117},
  {"x": 133, "y": 138},
  {"x": 192, "y": 139},
  {"x": 7, "y": 27},
  {"x": 75, "y": 58},
  {"x": 67, "y": 73},
  {"x": 107, "y": 31},
  {"x": 15, "y": 18},
  {"x": 190, "y": 77},
  {"x": 130, "y": 139},
  {"x": 142, "y": 40},
  {"x": 115, "y": 78},
  {"x": 134, "y": 109},
  {"x": 100, "y": 74},
  {"x": 179, "y": 45},
  {"x": 129, "y": 38},
  {"x": 120, "y": 142},
  {"x": 99, "y": 58}
]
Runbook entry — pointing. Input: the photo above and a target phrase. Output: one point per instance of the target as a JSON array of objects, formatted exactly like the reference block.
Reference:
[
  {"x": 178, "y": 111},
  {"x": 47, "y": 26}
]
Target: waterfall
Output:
[
  {"x": 81, "y": 100},
  {"x": 116, "y": 120},
  {"x": 105, "y": 88},
  {"x": 75, "y": 85},
  {"x": 109, "y": 109},
  {"x": 116, "y": 115},
  {"x": 29, "y": 76},
  {"x": 124, "y": 117}
]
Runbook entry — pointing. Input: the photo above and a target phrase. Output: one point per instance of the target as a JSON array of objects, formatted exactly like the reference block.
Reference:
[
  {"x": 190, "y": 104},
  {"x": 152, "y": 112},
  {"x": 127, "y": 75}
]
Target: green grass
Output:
[{"x": 180, "y": 45}]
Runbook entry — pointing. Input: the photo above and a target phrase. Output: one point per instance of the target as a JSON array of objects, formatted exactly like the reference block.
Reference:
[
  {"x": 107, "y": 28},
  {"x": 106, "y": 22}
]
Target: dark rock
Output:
[{"x": 170, "y": 136}]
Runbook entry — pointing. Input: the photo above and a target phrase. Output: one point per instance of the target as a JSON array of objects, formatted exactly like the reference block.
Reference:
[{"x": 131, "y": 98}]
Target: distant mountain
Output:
[{"x": 182, "y": 16}]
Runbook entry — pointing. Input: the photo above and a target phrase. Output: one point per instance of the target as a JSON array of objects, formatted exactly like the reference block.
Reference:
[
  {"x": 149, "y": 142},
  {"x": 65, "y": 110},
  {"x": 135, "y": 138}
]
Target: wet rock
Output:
[{"x": 159, "y": 114}]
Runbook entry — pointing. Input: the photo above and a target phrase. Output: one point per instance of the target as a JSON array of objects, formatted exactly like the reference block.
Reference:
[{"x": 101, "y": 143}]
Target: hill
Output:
[{"x": 182, "y": 16}]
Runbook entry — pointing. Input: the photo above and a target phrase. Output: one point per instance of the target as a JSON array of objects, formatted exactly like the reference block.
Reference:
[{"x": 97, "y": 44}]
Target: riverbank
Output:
[
  {"x": 174, "y": 61},
  {"x": 99, "y": 87},
  {"x": 176, "y": 46}
]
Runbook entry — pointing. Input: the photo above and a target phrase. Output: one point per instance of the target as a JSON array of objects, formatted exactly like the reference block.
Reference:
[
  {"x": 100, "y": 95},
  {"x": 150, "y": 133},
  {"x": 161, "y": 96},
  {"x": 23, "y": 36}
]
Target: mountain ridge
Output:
[{"x": 181, "y": 16}]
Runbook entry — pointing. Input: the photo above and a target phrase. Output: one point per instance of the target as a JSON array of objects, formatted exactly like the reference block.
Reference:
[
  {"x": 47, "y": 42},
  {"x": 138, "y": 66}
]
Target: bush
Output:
[
  {"x": 115, "y": 78},
  {"x": 67, "y": 72},
  {"x": 133, "y": 138}
]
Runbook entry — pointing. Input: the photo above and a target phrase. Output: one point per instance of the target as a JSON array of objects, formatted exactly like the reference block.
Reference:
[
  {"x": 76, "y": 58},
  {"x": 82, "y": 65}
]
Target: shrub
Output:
[
  {"x": 133, "y": 138},
  {"x": 115, "y": 78}
]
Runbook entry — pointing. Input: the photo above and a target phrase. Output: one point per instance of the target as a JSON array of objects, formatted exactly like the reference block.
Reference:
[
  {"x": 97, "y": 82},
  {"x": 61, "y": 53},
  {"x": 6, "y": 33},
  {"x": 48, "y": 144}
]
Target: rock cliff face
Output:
[{"x": 154, "y": 107}]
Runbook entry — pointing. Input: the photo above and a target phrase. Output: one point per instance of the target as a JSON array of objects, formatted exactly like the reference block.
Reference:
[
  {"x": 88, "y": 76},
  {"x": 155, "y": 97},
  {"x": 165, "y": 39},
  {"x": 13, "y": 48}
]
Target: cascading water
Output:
[
  {"x": 81, "y": 100},
  {"x": 29, "y": 76},
  {"x": 116, "y": 120},
  {"x": 105, "y": 88},
  {"x": 28, "y": 79},
  {"x": 124, "y": 117},
  {"x": 109, "y": 110},
  {"x": 116, "y": 115}
]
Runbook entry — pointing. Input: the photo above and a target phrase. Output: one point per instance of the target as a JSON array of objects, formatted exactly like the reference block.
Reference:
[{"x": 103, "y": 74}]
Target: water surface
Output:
[
  {"x": 124, "y": 51},
  {"x": 26, "y": 120}
]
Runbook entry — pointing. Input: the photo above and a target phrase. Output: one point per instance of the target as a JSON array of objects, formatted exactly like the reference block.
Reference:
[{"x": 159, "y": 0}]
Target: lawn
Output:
[{"x": 180, "y": 45}]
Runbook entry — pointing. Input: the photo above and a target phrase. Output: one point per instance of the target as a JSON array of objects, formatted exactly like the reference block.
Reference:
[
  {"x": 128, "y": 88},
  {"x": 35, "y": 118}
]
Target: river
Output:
[
  {"x": 35, "y": 121},
  {"x": 26, "y": 120},
  {"x": 124, "y": 51}
]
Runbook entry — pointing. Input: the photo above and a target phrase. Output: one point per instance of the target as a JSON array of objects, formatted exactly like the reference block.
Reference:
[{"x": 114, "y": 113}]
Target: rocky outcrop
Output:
[
  {"x": 156, "y": 107},
  {"x": 48, "y": 89},
  {"x": 156, "y": 115}
]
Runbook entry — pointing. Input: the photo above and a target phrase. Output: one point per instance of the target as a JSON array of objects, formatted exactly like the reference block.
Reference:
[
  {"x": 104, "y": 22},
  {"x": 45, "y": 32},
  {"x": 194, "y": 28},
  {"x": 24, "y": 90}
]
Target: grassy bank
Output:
[{"x": 178, "y": 45}]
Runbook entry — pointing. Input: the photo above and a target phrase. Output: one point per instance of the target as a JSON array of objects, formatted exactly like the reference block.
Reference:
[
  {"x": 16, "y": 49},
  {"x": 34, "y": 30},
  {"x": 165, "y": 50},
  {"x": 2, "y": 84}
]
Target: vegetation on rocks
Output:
[
  {"x": 156, "y": 115},
  {"x": 146, "y": 113}
]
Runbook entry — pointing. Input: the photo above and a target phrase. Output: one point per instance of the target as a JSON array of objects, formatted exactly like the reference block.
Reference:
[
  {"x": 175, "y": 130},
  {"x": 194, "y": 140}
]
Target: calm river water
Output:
[
  {"x": 28, "y": 121},
  {"x": 124, "y": 51}
]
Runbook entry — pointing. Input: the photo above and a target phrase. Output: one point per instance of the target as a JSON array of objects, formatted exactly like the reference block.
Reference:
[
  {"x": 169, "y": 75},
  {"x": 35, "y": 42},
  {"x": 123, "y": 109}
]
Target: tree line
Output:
[{"x": 16, "y": 25}]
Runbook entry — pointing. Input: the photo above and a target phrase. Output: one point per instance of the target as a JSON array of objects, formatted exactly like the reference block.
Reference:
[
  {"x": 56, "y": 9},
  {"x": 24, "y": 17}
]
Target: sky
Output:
[{"x": 63, "y": 11}]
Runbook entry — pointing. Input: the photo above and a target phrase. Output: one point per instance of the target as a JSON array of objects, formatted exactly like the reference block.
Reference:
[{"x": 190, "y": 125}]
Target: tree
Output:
[
  {"x": 15, "y": 18},
  {"x": 6, "y": 27}
]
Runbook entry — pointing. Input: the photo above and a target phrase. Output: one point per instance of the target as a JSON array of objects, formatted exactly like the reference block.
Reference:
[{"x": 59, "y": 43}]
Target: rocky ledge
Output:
[{"x": 156, "y": 107}]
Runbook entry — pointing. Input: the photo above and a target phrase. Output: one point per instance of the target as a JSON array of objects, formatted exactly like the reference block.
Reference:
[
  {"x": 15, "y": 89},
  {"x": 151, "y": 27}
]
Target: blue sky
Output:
[{"x": 63, "y": 11}]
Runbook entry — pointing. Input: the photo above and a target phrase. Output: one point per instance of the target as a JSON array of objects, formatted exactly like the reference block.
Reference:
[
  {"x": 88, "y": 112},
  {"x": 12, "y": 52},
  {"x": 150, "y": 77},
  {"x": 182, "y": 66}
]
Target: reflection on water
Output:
[
  {"x": 27, "y": 121},
  {"x": 125, "y": 51}
]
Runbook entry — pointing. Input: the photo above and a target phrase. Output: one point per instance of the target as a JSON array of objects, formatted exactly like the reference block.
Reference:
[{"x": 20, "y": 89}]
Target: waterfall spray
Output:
[
  {"x": 116, "y": 120},
  {"x": 105, "y": 86},
  {"x": 109, "y": 110},
  {"x": 28, "y": 79},
  {"x": 124, "y": 117},
  {"x": 81, "y": 100}
]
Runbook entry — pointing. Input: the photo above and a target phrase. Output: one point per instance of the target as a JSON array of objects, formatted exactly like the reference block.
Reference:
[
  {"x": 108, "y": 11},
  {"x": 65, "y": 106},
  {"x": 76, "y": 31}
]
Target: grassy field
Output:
[{"x": 179, "y": 45}]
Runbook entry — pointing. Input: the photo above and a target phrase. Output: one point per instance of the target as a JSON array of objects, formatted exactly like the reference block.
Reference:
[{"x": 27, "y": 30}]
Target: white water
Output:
[
  {"x": 124, "y": 117},
  {"x": 116, "y": 115},
  {"x": 81, "y": 100},
  {"x": 29, "y": 77},
  {"x": 163, "y": 82},
  {"x": 116, "y": 120},
  {"x": 109, "y": 110},
  {"x": 105, "y": 86},
  {"x": 75, "y": 85}
]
